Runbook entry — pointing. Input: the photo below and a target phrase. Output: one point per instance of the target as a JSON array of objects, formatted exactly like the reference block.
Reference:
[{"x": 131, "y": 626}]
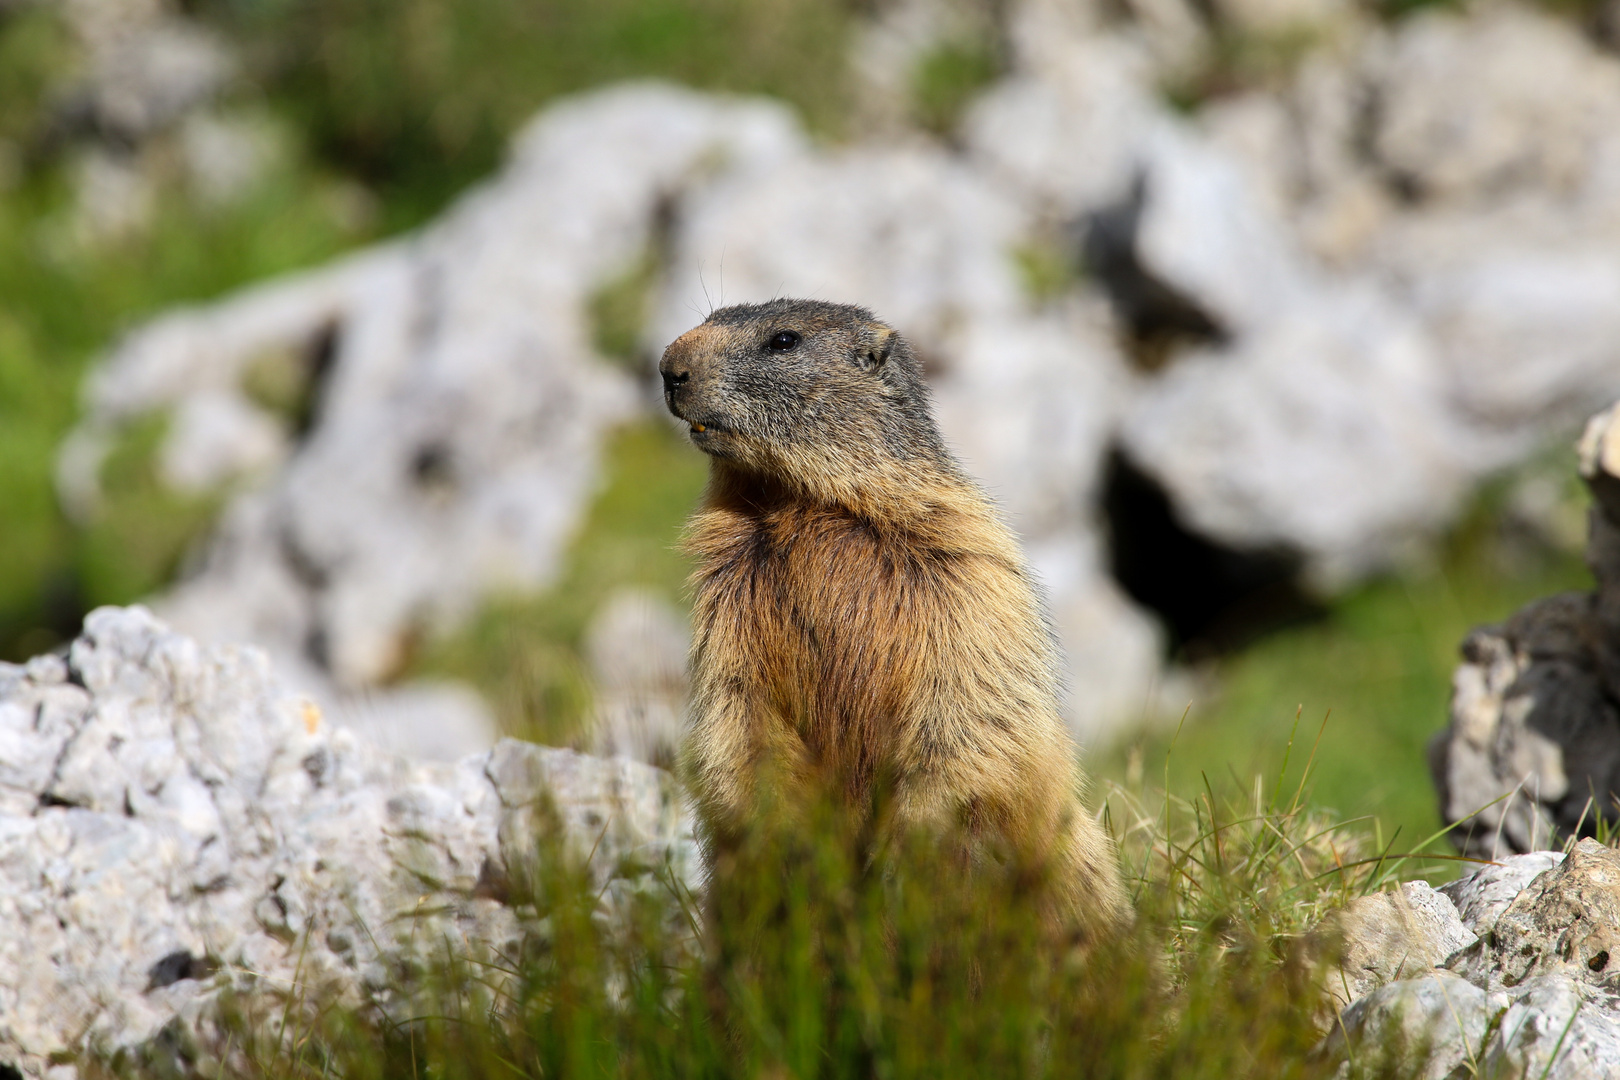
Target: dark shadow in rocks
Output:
[
  {"x": 321, "y": 356},
  {"x": 1157, "y": 320},
  {"x": 433, "y": 469},
  {"x": 178, "y": 965},
  {"x": 1212, "y": 599}
]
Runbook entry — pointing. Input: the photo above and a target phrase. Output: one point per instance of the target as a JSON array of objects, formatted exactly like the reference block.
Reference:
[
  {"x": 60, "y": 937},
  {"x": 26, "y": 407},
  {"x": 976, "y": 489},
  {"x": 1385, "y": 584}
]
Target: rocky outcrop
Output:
[
  {"x": 1388, "y": 936},
  {"x": 1532, "y": 754},
  {"x": 176, "y": 825},
  {"x": 1520, "y": 985}
]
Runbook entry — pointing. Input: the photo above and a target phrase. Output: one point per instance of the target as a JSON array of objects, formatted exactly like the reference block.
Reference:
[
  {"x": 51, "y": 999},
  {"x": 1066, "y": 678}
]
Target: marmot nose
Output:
[{"x": 673, "y": 379}]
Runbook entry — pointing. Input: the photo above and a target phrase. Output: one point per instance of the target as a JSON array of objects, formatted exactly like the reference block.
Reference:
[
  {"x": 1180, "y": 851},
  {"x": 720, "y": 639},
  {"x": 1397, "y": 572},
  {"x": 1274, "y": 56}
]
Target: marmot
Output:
[{"x": 861, "y": 614}]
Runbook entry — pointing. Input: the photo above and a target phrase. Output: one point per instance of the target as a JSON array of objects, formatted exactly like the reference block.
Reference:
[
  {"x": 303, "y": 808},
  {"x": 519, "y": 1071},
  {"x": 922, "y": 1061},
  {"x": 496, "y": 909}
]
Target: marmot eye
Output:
[{"x": 783, "y": 341}]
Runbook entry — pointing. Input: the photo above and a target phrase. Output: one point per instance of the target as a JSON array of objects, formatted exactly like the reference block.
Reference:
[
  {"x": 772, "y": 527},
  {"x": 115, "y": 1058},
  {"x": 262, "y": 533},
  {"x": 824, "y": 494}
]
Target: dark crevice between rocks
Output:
[
  {"x": 1406, "y": 188},
  {"x": 291, "y": 383},
  {"x": 178, "y": 965},
  {"x": 433, "y": 469},
  {"x": 1156, "y": 320},
  {"x": 51, "y": 625},
  {"x": 314, "y": 577},
  {"x": 322, "y": 359},
  {"x": 1212, "y": 598},
  {"x": 620, "y": 305}
]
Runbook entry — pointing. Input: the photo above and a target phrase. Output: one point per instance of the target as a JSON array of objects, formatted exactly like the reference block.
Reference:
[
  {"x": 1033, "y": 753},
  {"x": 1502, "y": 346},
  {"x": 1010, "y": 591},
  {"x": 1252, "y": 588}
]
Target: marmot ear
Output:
[{"x": 878, "y": 348}]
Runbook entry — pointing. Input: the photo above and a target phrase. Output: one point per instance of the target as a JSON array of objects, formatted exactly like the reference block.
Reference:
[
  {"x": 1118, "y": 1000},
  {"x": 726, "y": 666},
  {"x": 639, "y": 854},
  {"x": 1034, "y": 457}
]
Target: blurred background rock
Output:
[{"x": 330, "y": 326}]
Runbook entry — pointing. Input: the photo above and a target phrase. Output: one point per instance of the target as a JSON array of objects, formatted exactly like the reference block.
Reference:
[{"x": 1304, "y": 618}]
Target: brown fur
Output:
[{"x": 863, "y": 619}]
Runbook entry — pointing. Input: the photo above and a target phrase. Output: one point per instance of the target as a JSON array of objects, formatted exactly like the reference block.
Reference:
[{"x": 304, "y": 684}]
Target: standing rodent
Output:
[{"x": 862, "y": 617}]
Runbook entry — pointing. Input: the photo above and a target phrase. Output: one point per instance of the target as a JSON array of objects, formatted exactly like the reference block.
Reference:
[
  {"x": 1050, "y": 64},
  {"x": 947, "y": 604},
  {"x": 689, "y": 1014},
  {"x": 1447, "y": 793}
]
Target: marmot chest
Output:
[{"x": 828, "y": 617}]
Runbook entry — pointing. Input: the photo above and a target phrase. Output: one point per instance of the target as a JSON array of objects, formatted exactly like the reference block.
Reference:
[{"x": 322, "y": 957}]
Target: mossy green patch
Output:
[
  {"x": 143, "y": 528},
  {"x": 619, "y": 307},
  {"x": 36, "y": 49},
  {"x": 36, "y": 404},
  {"x": 1240, "y": 60},
  {"x": 947, "y": 78},
  {"x": 1046, "y": 269}
]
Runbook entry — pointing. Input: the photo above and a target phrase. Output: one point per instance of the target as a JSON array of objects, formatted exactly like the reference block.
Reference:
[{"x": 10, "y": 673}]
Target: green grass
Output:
[
  {"x": 144, "y": 529},
  {"x": 417, "y": 97},
  {"x": 618, "y": 310},
  {"x": 1377, "y": 669}
]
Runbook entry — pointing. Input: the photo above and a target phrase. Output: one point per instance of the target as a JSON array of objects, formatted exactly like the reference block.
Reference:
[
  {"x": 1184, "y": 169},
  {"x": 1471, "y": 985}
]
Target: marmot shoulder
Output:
[{"x": 861, "y": 614}]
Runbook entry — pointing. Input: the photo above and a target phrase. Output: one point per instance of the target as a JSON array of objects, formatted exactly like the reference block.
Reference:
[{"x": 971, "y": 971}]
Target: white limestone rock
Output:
[
  {"x": 1482, "y": 896},
  {"x": 1532, "y": 996},
  {"x": 174, "y": 824},
  {"x": 1437, "y": 1017},
  {"x": 1389, "y": 936},
  {"x": 1322, "y": 432},
  {"x": 636, "y": 646},
  {"x": 1530, "y": 756}
]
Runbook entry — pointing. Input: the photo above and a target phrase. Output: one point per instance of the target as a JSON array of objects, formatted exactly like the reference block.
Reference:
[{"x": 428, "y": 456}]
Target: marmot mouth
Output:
[{"x": 704, "y": 427}]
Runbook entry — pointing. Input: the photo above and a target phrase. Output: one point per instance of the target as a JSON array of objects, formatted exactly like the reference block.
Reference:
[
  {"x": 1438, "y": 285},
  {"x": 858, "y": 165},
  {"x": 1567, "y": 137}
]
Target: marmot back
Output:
[{"x": 861, "y": 613}]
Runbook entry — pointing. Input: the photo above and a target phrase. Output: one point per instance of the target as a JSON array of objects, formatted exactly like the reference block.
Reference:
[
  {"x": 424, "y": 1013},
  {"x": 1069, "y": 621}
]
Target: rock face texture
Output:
[
  {"x": 174, "y": 824},
  {"x": 1390, "y": 936},
  {"x": 1532, "y": 753},
  {"x": 1520, "y": 985},
  {"x": 1309, "y": 317},
  {"x": 636, "y": 647}
]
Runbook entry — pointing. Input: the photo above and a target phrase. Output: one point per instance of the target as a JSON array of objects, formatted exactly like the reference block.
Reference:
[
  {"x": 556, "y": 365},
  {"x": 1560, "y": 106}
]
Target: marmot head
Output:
[{"x": 822, "y": 396}]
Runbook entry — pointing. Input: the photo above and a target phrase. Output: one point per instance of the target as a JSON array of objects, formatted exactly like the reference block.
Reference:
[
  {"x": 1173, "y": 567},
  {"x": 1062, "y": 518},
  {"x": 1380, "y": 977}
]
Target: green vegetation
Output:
[
  {"x": 618, "y": 310},
  {"x": 34, "y": 51},
  {"x": 832, "y": 960},
  {"x": 947, "y": 79},
  {"x": 1377, "y": 669},
  {"x": 417, "y": 97},
  {"x": 1047, "y": 268},
  {"x": 143, "y": 529},
  {"x": 1238, "y": 60}
]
